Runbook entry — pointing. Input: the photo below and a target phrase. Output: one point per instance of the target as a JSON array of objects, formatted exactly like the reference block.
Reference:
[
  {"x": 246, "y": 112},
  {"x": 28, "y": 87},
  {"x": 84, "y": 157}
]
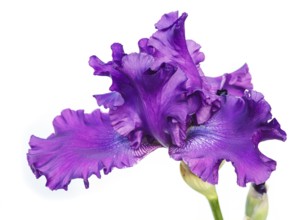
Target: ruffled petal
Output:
[
  {"x": 82, "y": 145},
  {"x": 167, "y": 20},
  {"x": 162, "y": 87},
  {"x": 146, "y": 101},
  {"x": 234, "y": 83},
  {"x": 117, "y": 52},
  {"x": 109, "y": 100},
  {"x": 195, "y": 53},
  {"x": 170, "y": 46},
  {"x": 232, "y": 134},
  {"x": 100, "y": 68}
]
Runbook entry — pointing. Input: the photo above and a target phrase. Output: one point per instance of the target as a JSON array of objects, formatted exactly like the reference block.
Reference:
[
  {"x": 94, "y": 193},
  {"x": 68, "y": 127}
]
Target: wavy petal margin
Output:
[
  {"x": 161, "y": 97},
  {"x": 82, "y": 145},
  {"x": 235, "y": 83},
  {"x": 232, "y": 134}
]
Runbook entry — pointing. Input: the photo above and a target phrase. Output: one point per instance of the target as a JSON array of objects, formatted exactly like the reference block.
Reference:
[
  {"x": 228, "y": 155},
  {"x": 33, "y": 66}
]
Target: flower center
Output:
[{"x": 222, "y": 92}]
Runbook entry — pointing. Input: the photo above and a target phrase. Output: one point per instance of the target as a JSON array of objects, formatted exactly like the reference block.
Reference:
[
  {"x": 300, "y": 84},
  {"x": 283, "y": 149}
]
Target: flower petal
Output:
[
  {"x": 100, "y": 68},
  {"x": 162, "y": 86},
  {"x": 235, "y": 83},
  {"x": 154, "y": 100},
  {"x": 195, "y": 53},
  {"x": 233, "y": 134},
  {"x": 170, "y": 46},
  {"x": 117, "y": 52},
  {"x": 167, "y": 20},
  {"x": 109, "y": 100},
  {"x": 82, "y": 145}
]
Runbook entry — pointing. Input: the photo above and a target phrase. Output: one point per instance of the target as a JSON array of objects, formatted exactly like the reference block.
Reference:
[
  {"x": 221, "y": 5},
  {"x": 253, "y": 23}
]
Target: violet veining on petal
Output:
[{"x": 160, "y": 97}]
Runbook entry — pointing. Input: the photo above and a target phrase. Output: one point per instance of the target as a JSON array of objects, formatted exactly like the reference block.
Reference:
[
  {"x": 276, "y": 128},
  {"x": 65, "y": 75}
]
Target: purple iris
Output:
[{"x": 160, "y": 97}]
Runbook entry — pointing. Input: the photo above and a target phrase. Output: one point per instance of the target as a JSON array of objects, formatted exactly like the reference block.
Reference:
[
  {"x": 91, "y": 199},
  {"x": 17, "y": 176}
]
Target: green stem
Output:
[{"x": 215, "y": 208}]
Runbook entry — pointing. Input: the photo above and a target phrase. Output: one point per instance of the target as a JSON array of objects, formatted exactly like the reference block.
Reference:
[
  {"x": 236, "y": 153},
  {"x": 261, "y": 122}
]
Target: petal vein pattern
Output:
[
  {"x": 82, "y": 145},
  {"x": 160, "y": 97},
  {"x": 232, "y": 134},
  {"x": 152, "y": 99}
]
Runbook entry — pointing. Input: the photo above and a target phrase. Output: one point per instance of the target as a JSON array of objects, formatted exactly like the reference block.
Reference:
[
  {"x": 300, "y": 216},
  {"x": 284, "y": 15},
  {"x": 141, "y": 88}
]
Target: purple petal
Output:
[
  {"x": 100, "y": 68},
  {"x": 195, "y": 53},
  {"x": 82, "y": 145},
  {"x": 171, "y": 47},
  {"x": 161, "y": 87},
  {"x": 232, "y": 134},
  {"x": 108, "y": 69},
  {"x": 154, "y": 100},
  {"x": 117, "y": 52},
  {"x": 145, "y": 48},
  {"x": 235, "y": 83},
  {"x": 167, "y": 20},
  {"x": 109, "y": 100}
]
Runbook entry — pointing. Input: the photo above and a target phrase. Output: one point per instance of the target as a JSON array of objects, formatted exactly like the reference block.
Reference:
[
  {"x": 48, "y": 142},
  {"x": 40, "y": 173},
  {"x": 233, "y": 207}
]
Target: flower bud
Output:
[
  {"x": 205, "y": 188},
  {"x": 257, "y": 205}
]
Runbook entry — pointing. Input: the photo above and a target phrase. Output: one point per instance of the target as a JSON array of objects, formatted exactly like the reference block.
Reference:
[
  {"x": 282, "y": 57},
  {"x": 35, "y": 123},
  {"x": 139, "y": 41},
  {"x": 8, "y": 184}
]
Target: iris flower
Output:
[{"x": 160, "y": 97}]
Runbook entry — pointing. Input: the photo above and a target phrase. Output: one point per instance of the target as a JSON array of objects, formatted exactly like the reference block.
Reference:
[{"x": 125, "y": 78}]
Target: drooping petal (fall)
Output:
[
  {"x": 232, "y": 134},
  {"x": 82, "y": 145},
  {"x": 161, "y": 97}
]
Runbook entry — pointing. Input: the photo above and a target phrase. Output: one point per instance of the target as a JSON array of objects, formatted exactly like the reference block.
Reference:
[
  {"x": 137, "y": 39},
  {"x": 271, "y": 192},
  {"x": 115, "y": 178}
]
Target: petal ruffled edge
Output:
[
  {"x": 235, "y": 83},
  {"x": 82, "y": 145},
  {"x": 232, "y": 134}
]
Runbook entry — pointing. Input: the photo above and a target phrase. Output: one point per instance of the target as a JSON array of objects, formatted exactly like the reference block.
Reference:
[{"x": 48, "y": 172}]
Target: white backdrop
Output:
[{"x": 44, "y": 51}]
